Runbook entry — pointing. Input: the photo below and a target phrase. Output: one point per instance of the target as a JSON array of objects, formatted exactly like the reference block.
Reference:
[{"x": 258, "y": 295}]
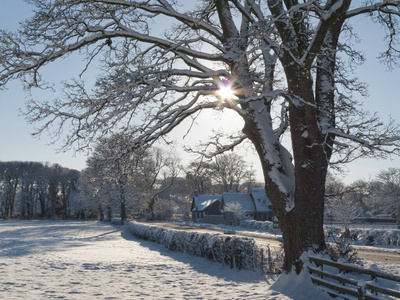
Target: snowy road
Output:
[{"x": 90, "y": 260}]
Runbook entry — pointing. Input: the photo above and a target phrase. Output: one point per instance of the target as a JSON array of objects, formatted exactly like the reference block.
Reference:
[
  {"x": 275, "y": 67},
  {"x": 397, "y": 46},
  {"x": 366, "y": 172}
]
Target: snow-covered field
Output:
[{"x": 91, "y": 260}]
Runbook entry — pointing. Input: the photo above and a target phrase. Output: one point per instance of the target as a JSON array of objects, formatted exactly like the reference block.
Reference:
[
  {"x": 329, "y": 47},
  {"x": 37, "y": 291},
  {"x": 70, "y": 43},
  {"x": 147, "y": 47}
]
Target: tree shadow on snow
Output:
[{"x": 23, "y": 238}]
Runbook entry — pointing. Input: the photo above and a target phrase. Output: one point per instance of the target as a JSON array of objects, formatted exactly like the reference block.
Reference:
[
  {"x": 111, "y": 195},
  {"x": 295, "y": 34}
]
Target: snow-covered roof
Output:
[
  {"x": 261, "y": 200},
  {"x": 243, "y": 199},
  {"x": 201, "y": 202}
]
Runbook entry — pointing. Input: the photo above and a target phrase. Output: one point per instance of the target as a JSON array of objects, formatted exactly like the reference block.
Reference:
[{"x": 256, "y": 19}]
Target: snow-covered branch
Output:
[
  {"x": 386, "y": 6},
  {"x": 217, "y": 146}
]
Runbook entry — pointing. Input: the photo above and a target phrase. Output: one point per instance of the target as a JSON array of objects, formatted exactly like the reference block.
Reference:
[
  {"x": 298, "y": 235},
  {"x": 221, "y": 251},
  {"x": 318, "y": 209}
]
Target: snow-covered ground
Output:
[{"x": 91, "y": 260}]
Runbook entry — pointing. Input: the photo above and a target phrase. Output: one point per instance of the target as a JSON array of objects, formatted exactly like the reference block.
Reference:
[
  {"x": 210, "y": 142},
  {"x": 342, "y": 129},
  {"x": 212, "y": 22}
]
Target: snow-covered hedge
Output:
[{"x": 237, "y": 252}]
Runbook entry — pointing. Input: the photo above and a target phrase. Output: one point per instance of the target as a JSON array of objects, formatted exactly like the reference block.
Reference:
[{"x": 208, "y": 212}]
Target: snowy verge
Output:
[
  {"x": 250, "y": 231},
  {"x": 239, "y": 252},
  {"x": 367, "y": 237},
  {"x": 115, "y": 221},
  {"x": 359, "y": 236}
]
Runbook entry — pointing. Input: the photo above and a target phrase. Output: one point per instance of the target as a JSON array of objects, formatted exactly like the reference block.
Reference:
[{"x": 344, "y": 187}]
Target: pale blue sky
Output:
[
  {"x": 16, "y": 140},
  {"x": 18, "y": 144}
]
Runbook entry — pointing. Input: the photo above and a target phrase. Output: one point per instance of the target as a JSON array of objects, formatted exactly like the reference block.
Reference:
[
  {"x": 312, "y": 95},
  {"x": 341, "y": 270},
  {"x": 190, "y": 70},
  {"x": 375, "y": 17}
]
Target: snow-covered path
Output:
[{"x": 90, "y": 260}]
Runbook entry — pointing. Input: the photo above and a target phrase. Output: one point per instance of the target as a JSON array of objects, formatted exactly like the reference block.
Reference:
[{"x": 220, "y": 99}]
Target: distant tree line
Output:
[
  {"x": 35, "y": 190},
  {"x": 153, "y": 184},
  {"x": 150, "y": 183}
]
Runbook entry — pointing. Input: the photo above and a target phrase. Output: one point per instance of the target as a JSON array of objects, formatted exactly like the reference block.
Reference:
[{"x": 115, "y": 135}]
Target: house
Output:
[
  {"x": 203, "y": 205},
  {"x": 245, "y": 201},
  {"x": 210, "y": 207},
  {"x": 264, "y": 211}
]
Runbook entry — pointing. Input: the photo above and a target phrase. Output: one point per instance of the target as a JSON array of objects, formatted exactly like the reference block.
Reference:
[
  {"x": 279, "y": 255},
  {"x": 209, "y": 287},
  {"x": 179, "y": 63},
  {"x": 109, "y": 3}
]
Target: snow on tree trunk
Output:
[{"x": 298, "y": 204}]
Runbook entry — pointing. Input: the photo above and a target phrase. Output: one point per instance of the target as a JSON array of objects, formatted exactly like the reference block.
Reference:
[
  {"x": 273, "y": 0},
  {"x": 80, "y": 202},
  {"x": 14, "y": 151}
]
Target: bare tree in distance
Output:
[
  {"x": 221, "y": 173},
  {"x": 286, "y": 63},
  {"x": 111, "y": 163},
  {"x": 199, "y": 176},
  {"x": 386, "y": 194},
  {"x": 229, "y": 170},
  {"x": 128, "y": 176},
  {"x": 165, "y": 164},
  {"x": 32, "y": 189},
  {"x": 344, "y": 210}
]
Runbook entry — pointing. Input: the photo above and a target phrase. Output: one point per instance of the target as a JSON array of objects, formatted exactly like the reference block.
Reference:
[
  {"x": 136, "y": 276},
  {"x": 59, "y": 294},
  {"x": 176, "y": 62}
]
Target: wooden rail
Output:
[{"x": 339, "y": 286}]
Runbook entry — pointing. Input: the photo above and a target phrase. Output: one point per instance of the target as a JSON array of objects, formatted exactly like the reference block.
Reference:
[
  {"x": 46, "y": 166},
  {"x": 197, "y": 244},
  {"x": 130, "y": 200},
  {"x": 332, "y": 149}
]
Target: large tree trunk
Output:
[
  {"x": 301, "y": 224},
  {"x": 295, "y": 185},
  {"x": 299, "y": 203},
  {"x": 302, "y": 227}
]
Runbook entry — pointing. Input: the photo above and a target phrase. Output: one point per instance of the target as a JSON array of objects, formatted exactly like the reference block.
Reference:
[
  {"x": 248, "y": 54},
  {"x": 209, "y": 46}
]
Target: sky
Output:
[
  {"x": 18, "y": 144},
  {"x": 15, "y": 133}
]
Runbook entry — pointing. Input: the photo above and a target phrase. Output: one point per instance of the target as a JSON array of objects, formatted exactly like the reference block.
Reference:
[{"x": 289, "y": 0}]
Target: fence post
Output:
[
  {"x": 254, "y": 259},
  {"x": 262, "y": 260},
  {"x": 270, "y": 263},
  {"x": 222, "y": 255},
  {"x": 361, "y": 292},
  {"x": 373, "y": 278}
]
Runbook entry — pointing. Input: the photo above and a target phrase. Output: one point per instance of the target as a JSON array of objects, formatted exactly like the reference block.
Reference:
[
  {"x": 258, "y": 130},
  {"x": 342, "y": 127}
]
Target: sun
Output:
[{"x": 225, "y": 92}]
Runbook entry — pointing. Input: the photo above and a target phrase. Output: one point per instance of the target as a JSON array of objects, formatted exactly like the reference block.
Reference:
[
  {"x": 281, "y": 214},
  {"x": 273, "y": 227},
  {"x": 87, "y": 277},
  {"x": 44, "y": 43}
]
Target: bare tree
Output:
[
  {"x": 384, "y": 194},
  {"x": 229, "y": 171},
  {"x": 222, "y": 173},
  {"x": 344, "y": 210},
  {"x": 285, "y": 62},
  {"x": 31, "y": 177},
  {"x": 87, "y": 202},
  {"x": 67, "y": 186},
  {"x": 10, "y": 175},
  {"x": 165, "y": 164},
  {"x": 344, "y": 202},
  {"x": 199, "y": 176},
  {"x": 129, "y": 176},
  {"x": 30, "y": 187},
  {"x": 118, "y": 170}
]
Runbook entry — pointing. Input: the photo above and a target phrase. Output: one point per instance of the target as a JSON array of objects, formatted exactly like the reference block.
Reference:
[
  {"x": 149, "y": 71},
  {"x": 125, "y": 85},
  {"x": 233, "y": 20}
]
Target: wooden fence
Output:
[{"x": 347, "y": 288}]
